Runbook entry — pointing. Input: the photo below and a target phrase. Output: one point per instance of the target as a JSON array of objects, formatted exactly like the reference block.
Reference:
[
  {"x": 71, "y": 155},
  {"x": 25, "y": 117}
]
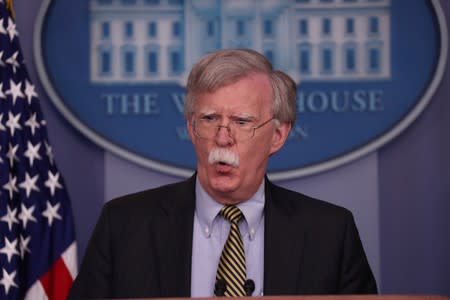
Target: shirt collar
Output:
[{"x": 207, "y": 209}]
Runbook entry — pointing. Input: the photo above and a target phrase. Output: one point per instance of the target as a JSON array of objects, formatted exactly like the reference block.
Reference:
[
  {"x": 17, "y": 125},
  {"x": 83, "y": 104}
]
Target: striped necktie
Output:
[{"x": 231, "y": 267}]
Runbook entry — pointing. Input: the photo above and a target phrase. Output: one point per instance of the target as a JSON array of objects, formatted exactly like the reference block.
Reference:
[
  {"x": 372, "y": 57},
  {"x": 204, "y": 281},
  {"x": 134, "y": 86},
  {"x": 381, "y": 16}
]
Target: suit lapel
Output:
[
  {"x": 283, "y": 243},
  {"x": 176, "y": 246}
]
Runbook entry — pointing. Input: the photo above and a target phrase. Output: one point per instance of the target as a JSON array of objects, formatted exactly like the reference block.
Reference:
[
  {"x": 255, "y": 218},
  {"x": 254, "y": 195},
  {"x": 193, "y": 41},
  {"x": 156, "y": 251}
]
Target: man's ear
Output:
[{"x": 280, "y": 136}]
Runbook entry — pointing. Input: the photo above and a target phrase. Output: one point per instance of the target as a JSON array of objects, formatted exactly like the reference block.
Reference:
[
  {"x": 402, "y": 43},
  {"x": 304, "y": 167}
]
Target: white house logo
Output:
[{"x": 366, "y": 69}]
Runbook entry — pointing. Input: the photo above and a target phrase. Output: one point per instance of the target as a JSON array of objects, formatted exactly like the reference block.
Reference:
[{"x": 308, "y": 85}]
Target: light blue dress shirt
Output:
[{"x": 211, "y": 232}]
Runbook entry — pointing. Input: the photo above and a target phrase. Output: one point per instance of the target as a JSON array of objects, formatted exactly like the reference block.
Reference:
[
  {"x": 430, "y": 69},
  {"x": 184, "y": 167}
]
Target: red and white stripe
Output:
[{"x": 56, "y": 282}]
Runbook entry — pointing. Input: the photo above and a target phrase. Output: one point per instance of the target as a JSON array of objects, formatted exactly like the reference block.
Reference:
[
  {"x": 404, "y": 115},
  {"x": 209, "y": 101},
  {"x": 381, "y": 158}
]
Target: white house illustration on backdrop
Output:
[{"x": 137, "y": 41}]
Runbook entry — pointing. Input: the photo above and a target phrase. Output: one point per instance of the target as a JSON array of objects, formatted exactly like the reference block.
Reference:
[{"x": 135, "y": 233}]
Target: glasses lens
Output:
[
  {"x": 201, "y": 129},
  {"x": 242, "y": 134},
  {"x": 209, "y": 130}
]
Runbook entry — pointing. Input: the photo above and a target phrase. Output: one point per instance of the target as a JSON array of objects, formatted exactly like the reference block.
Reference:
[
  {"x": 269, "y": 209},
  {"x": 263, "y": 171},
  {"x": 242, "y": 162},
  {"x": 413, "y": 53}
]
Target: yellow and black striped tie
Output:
[{"x": 231, "y": 267}]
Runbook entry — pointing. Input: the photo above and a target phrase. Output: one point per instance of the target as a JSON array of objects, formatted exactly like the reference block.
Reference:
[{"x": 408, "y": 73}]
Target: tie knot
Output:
[{"x": 231, "y": 213}]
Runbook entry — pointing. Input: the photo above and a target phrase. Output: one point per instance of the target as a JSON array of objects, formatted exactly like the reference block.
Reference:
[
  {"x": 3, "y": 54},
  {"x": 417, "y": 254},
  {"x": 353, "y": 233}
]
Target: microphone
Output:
[
  {"x": 220, "y": 287},
  {"x": 249, "y": 287}
]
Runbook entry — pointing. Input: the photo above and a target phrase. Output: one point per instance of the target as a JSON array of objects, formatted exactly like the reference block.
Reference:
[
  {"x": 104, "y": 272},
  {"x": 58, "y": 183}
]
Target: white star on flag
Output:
[
  {"x": 2, "y": 64},
  {"x": 23, "y": 245},
  {"x": 11, "y": 185},
  {"x": 32, "y": 123},
  {"x": 51, "y": 212},
  {"x": 15, "y": 90},
  {"x": 52, "y": 182},
  {"x": 26, "y": 214},
  {"x": 12, "y": 154},
  {"x": 32, "y": 152},
  {"x": 8, "y": 280},
  {"x": 12, "y": 60},
  {"x": 13, "y": 122},
  {"x": 29, "y": 184},
  {"x": 2, "y": 128},
  {"x": 10, "y": 217},
  {"x": 12, "y": 31},
  {"x": 49, "y": 152},
  {"x": 2, "y": 28},
  {"x": 29, "y": 91},
  {"x": 10, "y": 248},
  {"x": 2, "y": 95}
]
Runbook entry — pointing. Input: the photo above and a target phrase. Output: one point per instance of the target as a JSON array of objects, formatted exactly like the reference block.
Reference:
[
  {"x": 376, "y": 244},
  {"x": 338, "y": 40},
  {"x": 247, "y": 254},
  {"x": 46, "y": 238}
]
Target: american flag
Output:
[{"x": 37, "y": 239}]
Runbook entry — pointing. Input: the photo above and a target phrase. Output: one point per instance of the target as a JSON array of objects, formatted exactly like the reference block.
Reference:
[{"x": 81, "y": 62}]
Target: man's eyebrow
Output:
[
  {"x": 207, "y": 112},
  {"x": 244, "y": 116}
]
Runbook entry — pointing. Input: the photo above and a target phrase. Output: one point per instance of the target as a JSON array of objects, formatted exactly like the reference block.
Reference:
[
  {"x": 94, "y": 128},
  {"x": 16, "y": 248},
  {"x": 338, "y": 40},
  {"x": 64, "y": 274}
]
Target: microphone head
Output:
[
  {"x": 220, "y": 287},
  {"x": 249, "y": 287}
]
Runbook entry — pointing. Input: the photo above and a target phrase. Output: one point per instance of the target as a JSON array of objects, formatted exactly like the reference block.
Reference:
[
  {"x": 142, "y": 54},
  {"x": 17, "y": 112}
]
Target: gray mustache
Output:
[{"x": 224, "y": 156}]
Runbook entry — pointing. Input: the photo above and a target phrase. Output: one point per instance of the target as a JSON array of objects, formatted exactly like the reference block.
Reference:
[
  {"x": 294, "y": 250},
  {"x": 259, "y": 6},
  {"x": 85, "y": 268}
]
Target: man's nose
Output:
[{"x": 223, "y": 136}]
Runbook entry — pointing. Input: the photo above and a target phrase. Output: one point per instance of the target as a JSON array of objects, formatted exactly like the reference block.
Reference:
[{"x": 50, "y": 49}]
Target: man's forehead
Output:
[
  {"x": 237, "y": 109},
  {"x": 246, "y": 96}
]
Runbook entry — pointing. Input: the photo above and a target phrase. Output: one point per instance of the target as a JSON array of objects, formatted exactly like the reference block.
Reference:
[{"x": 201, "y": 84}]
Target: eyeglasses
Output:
[{"x": 240, "y": 129}]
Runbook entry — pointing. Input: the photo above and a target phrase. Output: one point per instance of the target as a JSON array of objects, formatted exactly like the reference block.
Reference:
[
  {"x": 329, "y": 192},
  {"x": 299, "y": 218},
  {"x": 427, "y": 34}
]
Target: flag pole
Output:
[{"x": 10, "y": 7}]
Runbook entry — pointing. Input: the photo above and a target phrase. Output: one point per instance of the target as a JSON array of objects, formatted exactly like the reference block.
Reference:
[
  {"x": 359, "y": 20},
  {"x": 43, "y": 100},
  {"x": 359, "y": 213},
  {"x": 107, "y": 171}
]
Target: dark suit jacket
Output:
[{"x": 142, "y": 247}]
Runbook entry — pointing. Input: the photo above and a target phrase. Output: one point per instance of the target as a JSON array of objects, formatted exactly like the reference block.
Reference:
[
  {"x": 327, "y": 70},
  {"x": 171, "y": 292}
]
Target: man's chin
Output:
[{"x": 223, "y": 182}]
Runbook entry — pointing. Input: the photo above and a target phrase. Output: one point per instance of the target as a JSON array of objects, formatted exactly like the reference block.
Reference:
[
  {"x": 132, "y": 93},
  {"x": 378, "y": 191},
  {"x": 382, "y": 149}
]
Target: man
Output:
[{"x": 179, "y": 240}]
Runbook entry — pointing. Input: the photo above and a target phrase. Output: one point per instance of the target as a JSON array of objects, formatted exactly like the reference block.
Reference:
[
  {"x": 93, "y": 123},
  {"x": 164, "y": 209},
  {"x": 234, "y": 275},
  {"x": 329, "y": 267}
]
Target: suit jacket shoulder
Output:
[
  {"x": 141, "y": 246},
  {"x": 312, "y": 247},
  {"x": 164, "y": 199}
]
